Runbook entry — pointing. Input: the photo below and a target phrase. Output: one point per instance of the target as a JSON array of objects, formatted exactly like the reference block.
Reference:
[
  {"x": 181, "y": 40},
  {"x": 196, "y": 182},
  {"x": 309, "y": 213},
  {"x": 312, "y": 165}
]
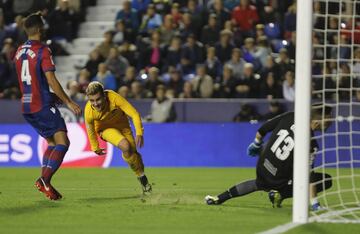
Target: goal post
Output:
[
  {"x": 328, "y": 71},
  {"x": 302, "y": 110}
]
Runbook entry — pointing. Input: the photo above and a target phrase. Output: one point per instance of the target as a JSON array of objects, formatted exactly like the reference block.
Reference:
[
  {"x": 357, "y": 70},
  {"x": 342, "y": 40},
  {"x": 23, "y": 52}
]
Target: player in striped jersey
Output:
[{"x": 36, "y": 73}]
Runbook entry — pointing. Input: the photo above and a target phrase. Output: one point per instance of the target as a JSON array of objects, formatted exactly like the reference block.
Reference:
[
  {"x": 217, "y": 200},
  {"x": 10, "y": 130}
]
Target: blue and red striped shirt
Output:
[{"x": 33, "y": 59}]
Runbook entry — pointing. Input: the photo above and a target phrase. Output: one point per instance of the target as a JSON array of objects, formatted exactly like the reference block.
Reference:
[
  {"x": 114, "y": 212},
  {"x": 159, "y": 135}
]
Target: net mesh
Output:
[{"x": 336, "y": 83}]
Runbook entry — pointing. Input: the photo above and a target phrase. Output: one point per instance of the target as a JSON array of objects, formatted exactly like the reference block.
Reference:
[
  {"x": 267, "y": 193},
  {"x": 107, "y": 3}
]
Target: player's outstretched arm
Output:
[
  {"x": 59, "y": 91},
  {"x": 90, "y": 130}
]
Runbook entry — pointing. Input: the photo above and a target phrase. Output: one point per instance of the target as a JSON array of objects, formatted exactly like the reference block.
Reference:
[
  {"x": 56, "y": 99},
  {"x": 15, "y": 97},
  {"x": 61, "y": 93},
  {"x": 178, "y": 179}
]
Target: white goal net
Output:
[{"x": 336, "y": 82}]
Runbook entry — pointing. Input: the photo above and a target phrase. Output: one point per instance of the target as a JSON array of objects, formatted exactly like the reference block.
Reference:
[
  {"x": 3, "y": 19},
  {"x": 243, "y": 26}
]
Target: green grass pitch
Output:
[{"x": 109, "y": 201}]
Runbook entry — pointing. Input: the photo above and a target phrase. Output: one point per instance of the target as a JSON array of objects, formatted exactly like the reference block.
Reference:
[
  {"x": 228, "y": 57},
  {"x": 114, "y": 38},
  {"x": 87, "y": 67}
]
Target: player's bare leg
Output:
[
  {"x": 51, "y": 164},
  {"x": 134, "y": 160}
]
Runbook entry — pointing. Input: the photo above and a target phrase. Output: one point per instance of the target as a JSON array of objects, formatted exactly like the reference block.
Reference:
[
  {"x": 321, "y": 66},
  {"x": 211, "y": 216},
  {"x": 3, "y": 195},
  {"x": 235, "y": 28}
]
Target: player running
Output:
[
  {"x": 35, "y": 71},
  {"x": 106, "y": 115},
  {"x": 274, "y": 170}
]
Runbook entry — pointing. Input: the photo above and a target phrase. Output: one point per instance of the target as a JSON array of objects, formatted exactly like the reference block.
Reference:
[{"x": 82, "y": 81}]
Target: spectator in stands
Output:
[
  {"x": 167, "y": 30},
  {"x": 222, "y": 14},
  {"x": 284, "y": 63},
  {"x": 63, "y": 22},
  {"x": 270, "y": 89},
  {"x": 95, "y": 58},
  {"x": 124, "y": 91},
  {"x": 236, "y": 34},
  {"x": 245, "y": 16},
  {"x": 122, "y": 33},
  {"x": 83, "y": 80},
  {"x": 191, "y": 54},
  {"x": 152, "y": 54},
  {"x": 249, "y": 50},
  {"x": 116, "y": 64},
  {"x": 291, "y": 46},
  {"x": 137, "y": 90},
  {"x": 260, "y": 32},
  {"x": 210, "y": 32},
  {"x": 173, "y": 53},
  {"x": 151, "y": 20},
  {"x": 345, "y": 83},
  {"x": 5, "y": 72},
  {"x": 140, "y": 6},
  {"x": 271, "y": 66},
  {"x": 128, "y": 15},
  {"x": 230, "y": 4},
  {"x": 130, "y": 76},
  {"x": 106, "y": 44},
  {"x": 212, "y": 64},
  {"x": 226, "y": 87},
  {"x": 325, "y": 81},
  {"x": 187, "y": 27},
  {"x": 247, "y": 113},
  {"x": 289, "y": 86},
  {"x": 247, "y": 87},
  {"x": 357, "y": 96},
  {"x": 356, "y": 66},
  {"x": 162, "y": 109},
  {"x": 344, "y": 50},
  {"x": 236, "y": 63},
  {"x": 224, "y": 46},
  {"x": 318, "y": 18},
  {"x": 11, "y": 93},
  {"x": 262, "y": 51},
  {"x": 8, "y": 49},
  {"x": 197, "y": 16},
  {"x": 290, "y": 20},
  {"x": 176, "y": 82},
  {"x": 275, "y": 109},
  {"x": 129, "y": 51},
  {"x": 176, "y": 14},
  {"x": 187, "y": 91},
  {"x": 162, "y": 6},
  {"x": 203, "y": 84},
  {"x": 3, "y": 32},
  {"x": 152, "y": 82},
  {"x": 105, "y": 77},
  {"x": 5, "y": 12},
  {"x": 73, "y": 89},
  {"x": 331, "y": 34},
  {"x": 16, "y": 31}
]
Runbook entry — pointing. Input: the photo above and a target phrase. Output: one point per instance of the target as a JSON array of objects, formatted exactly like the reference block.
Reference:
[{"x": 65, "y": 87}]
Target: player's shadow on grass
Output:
[
  {"x": 108, "y": 199},
  {"x": 31, "y": 208}
]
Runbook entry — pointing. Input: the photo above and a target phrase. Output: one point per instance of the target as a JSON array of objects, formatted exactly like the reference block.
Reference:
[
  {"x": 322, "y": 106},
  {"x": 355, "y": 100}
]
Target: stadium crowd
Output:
[{"x": 192, "y": 48}]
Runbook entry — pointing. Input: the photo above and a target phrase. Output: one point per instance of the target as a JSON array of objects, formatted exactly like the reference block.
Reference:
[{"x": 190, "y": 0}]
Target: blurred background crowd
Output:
[{"x": 165, "y": 49}]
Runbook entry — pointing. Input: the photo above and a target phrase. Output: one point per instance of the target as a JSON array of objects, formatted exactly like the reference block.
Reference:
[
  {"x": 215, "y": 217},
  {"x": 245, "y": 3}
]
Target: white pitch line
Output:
[{"x": 281, "y": 228}]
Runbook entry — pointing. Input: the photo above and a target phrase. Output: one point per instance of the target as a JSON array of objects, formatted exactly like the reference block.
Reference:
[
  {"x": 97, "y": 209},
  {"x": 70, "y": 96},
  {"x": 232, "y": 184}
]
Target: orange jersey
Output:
[{"x": 114, "y": 115}]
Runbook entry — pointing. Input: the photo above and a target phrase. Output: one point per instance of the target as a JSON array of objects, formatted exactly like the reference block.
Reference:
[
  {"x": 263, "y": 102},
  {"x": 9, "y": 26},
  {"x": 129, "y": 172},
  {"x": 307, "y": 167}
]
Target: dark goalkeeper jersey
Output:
[{"x": 275, "y": 165}]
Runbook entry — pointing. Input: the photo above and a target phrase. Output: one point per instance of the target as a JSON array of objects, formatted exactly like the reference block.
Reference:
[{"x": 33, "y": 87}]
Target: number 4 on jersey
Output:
[{"x": 25, "y": 72}]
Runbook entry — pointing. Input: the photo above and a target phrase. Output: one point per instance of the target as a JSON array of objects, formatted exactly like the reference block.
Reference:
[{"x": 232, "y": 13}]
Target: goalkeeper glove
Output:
[{"x": 254, "y": 148}]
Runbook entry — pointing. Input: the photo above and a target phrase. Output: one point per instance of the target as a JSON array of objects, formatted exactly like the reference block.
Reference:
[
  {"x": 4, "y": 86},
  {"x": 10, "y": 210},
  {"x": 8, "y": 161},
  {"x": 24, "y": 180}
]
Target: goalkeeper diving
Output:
[
  {"x": 106, "y": 116},
  {"x": 274, "y": 169}
]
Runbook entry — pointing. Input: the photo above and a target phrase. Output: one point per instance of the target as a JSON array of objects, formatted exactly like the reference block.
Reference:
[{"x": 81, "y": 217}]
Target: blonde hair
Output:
[{"x": 94, "y": 87}]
